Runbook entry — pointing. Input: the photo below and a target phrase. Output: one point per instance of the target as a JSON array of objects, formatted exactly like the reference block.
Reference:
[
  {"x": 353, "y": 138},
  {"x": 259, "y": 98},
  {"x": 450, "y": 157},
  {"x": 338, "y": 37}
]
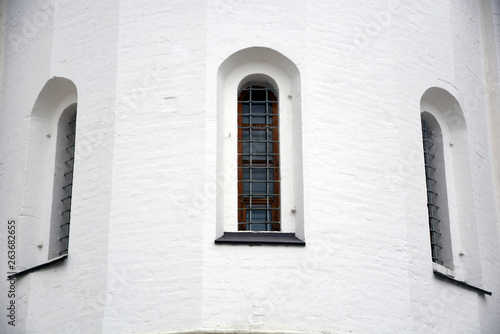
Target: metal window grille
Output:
[
  {"x": 432, "y": 187},
  {"x": 68, "y": 184},
  {"x": 258, "y": 159}
]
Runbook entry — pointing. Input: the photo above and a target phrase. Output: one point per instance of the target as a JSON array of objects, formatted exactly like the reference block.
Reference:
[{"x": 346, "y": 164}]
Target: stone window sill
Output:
[
  {"x": 260, "y": 238},
  {"x": 449, "y": 275},
  {"x": 37, "y": 267}
]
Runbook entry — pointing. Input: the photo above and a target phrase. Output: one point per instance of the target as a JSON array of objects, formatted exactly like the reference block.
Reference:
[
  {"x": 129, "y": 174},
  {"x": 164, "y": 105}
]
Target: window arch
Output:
[
  {"x": 258, "y": 158},
  {"x": 281, "y": 208},
  {"x": 49, "y": 186},
  {"x": 450, "y": 192}
]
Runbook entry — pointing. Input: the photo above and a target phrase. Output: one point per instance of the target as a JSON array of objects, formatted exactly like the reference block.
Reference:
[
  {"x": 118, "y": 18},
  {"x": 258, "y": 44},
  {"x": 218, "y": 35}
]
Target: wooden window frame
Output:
[{"x": 272, "y": 201}]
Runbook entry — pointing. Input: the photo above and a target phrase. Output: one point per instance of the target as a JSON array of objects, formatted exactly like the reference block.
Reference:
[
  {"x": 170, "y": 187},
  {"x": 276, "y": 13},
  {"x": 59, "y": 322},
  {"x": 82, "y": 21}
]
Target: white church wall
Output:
[
  {"x": 142, "y": 256},
  {"x": 159, "y": 167}
]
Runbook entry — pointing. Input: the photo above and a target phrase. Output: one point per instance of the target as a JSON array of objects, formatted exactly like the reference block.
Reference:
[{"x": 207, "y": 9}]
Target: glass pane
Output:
[
  {"x": 245, "y": 134},
  {"x": 259, "y": 227},
  {"x": 258, "y": 119},
  {"x": 258, "y": 147},
  {"x": 245, "y": 108},
  {"x": 246, "y": 187},
  {"x": 246, "y": 147},
  {"x": 246, "y": 173},
  {"x": 259, "y": 174},
  {"x": 259, "y": 134},
  {"x": 258, "y": 109},
  {"x": 259, "y": 188},
  {"x": 258, "y": 215}
]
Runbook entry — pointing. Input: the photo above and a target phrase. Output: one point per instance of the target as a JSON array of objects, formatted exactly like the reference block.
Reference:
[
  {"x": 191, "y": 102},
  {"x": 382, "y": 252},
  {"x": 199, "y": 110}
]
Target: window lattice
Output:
[
  {"x": 258, "y": 159},
  {"x": 432, "y": 187},
  {"x": 68, "y": 184}
]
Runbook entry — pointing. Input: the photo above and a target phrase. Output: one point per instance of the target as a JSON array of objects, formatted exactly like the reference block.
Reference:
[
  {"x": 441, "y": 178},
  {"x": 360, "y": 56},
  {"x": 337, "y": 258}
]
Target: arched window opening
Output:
[
  {"x": 258, "y": 159},
  {"x": 260, "y": 194},
  {"x": 49, "y": 177}
]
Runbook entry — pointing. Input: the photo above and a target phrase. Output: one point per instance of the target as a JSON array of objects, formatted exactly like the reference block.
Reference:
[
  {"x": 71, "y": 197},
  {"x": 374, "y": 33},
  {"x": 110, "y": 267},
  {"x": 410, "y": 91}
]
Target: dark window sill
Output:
[
  {"x": 461, "y": 283},
  {"x": 37, "y": 267},
  {"x": 260, "y": 238}
]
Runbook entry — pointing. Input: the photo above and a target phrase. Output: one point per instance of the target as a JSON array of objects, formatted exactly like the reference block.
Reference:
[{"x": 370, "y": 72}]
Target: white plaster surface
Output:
[{"x": 142, "y": 257}]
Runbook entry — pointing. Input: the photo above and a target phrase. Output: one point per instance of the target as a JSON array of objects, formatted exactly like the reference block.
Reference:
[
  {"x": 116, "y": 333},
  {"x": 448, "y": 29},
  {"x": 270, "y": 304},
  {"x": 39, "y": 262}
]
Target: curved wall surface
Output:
[{"x": 155, "y": 173}]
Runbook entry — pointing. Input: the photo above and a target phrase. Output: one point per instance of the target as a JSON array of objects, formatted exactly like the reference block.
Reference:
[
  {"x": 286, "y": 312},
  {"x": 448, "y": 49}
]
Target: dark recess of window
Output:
[{"x": 258, "y": 159}]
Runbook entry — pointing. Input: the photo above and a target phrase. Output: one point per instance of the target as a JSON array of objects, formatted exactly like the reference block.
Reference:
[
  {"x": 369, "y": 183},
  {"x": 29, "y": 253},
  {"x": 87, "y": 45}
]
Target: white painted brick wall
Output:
[{"x": 142, "y": 257}]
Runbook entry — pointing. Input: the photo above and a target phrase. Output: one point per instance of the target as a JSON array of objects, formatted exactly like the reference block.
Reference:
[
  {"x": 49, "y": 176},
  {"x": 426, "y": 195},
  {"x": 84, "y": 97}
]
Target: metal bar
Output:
[
  {"x": 429, "y": 166},
  {"x": 258, "y": 154},
  {"x": 260, "y": 181},
  {"x": 259, "y": 102},
  {"x": 257, "y": 141},
  {"x": 259, "y": 166},
  {"x": 260, "y": 206},
  {"x": 66, "y": 198}
]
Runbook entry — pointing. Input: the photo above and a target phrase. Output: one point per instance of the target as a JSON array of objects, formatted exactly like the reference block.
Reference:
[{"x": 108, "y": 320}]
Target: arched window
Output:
[
  {"x": 450, "y": 195},
  {"x": 49, "y": 181},
  {"x": 258, "y": 159},
  {"x": 260, "y": 195}
]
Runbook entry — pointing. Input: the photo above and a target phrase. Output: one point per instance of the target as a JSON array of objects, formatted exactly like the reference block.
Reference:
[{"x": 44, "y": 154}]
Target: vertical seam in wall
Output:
[{"x": 492, "y": 80}]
